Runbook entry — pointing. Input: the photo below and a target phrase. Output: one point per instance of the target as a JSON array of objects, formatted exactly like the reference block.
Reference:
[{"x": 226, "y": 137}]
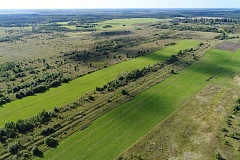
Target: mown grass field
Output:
[
  {"x": 119, "y": 129},
  {"x": 30, "y": 106}
]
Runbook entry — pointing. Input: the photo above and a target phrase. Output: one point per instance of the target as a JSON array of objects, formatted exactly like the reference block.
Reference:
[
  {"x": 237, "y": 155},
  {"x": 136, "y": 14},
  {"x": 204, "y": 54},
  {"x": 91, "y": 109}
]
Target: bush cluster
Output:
[{"x": 11, "y": 129}]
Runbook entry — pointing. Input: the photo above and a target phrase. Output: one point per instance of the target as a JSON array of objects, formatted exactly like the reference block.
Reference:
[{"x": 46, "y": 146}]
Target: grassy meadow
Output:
[
  {"x": 46, "y": 45},
  {"x": 119, "y": 129},
  {"x": 4, "y": 34},
  {"x": 117, "y": 24},
  {"x": 56, "y": 97}
]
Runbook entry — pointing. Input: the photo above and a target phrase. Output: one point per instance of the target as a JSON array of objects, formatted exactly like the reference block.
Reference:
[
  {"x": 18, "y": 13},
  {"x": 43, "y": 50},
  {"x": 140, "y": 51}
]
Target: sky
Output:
[{"x": 86, "y": 4}]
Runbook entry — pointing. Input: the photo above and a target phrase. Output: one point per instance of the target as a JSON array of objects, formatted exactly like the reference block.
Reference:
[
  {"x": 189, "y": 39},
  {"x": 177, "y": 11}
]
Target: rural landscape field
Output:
[{"x": 124, "y": 84}]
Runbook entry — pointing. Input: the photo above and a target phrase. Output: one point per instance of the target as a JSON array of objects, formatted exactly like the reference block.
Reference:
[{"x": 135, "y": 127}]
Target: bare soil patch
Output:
[{"x": 228, "y": 46}]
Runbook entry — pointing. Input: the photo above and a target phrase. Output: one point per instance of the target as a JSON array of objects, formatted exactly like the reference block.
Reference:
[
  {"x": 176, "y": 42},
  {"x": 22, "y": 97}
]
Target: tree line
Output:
[
  {"x": 11, "y": 129},
  {"x": 188, "y": 28},
  {"x": 138, "y": 73}
]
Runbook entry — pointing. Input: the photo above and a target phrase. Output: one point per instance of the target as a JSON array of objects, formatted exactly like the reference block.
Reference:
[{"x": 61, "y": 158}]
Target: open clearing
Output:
[
  {"x": 196, "y": 125},
  {"x": 66, "y": 93},
  {"x": 119, "y": 129}
]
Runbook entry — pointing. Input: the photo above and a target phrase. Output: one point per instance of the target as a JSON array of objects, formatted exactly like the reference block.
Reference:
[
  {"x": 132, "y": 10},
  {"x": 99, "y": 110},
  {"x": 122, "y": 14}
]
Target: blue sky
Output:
[{"x": 51, "y": 4}]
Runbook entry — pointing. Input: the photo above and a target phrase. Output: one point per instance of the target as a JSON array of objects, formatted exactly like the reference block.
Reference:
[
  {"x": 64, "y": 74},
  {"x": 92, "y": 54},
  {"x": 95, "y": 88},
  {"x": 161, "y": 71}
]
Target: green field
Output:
[
  {"x": 66, "y": 93},
  {"x": 119, "y": 129},
  {"x": 118, "y": 23},
  {"x": 132, "y": 21}
]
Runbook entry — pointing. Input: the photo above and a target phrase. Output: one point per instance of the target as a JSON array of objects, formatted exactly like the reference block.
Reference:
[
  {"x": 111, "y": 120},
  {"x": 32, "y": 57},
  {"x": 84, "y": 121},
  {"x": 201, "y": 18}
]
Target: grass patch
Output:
[
  {"x": 118, "y": 24},
  {"x": 119, "y": 129},
  {"x": 132, "y": 21},
  {"x": 66, "y": 93},
  {"x": 126, "y": 23}
]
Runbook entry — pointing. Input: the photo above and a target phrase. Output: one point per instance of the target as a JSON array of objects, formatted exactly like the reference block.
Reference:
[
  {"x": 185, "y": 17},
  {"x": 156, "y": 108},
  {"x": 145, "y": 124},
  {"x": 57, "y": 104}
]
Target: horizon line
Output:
[{"x": 105, "y": 8}]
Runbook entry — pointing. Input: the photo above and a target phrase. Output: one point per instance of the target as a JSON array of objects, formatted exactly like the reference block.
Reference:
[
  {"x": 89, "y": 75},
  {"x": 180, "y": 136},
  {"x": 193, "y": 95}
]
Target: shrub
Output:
[
  {"x": 91, "y": 98},
  {"x": 172, "y": 59},
  {"x": 26, "y": 155},
  {"x": 238, "y": 101},
  {"x": 19, "y": 96},
  {"x": 55, "y": 84},
  {"x": 39, "y": 89},
  {"x": 65, "y": 80},
  {"x": 47, "y": 131},
  {"x": 29, "y": 93},
  {"x": 236, "y": 109},
  {"x": 99, "y": 89},
  {"x": 218, "y": 156},
  {"x": 15, "y": 157},
  {"x": 57, "y": 126},
  {"x": 44, "y": 117},
  {"x": 10, "y": 129},
  {"x": 56, "y": 110},
  {"x": 224, "y": 130},
  {"x": 120, "y": 158},
  {"x": 13, "y": 148},
  {"x": 173, "y": 72},
  {"x": 36, "y": 152},
  {"x": 51, "y": 142},
  {"x": 23, "y": 126},
  {"x": 3, "y": 134},
  {"x": 124, "y": 92}
]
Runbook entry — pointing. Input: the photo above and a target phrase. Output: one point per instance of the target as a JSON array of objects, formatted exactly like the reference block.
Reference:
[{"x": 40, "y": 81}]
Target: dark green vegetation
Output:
[{"x": 90, "y": 81}]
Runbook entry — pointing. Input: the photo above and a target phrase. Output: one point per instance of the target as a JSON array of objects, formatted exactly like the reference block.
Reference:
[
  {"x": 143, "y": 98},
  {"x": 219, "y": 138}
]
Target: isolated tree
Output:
[
  {"x": 124, "y": 92},
  {"x": 14, "y": 147},
  {"x": 36, "y": 152},
  {"x": 51, "y": 142}
]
